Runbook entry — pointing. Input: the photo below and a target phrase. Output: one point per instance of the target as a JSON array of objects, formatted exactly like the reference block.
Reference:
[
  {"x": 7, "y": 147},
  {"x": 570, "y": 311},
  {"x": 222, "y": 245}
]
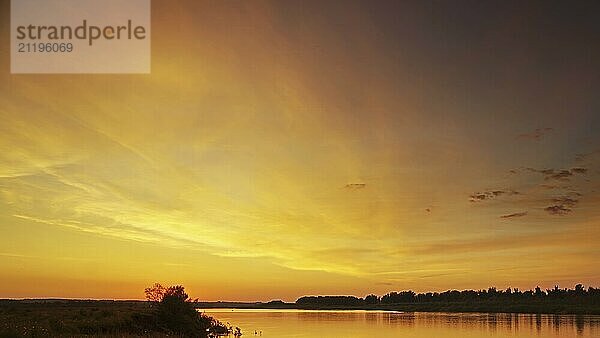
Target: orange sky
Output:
[{"x": 280, "y": 149}]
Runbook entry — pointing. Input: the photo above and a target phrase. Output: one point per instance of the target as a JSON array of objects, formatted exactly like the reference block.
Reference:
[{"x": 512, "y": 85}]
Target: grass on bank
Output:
[{"x": 169, "y": 314}]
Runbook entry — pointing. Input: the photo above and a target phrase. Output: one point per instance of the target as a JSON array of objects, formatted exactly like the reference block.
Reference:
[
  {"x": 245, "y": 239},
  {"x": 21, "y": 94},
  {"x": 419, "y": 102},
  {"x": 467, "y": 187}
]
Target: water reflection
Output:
[{"x": 298, "y": 323}]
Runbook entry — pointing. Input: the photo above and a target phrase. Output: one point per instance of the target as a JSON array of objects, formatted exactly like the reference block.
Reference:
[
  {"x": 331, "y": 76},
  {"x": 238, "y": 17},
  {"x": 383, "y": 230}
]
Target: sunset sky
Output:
[{"x": 285, "y": 148}]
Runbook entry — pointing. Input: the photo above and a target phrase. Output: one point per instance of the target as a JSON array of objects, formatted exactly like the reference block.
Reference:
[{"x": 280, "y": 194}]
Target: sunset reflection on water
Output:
[{"x": 308, "y": 323}]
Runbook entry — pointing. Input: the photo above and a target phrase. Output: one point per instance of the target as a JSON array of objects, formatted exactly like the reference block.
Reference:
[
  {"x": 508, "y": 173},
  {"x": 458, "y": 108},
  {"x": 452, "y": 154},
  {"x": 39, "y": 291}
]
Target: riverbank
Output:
[
  {"x": 75, "y": 318},
  {"x": 39, "y": 318},
  {"x": 105, "y": 318},
  {"x": 540, "y": 307}
]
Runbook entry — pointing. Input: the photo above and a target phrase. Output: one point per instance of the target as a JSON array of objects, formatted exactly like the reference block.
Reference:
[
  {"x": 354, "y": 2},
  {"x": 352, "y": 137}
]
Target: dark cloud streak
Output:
[
  {"x": 565, "y": 201},
  {"x": 490, "y": 194},
  {"x": 558, "y": 210},
  {"x": 516, "y": 214},
  {"x": 558, "y": 175}
]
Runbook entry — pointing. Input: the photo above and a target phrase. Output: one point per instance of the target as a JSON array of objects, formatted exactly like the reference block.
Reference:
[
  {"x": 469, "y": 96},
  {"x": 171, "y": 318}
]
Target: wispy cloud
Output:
[
  {"x": 553, "y": 180},
  {"x": 564, "y": 204},
  {"x": 493, "y": 243},
  {"x": 535, "y": 135},
  {"x": 355, "y": 185},
  {"x": 583, "y": 157}
]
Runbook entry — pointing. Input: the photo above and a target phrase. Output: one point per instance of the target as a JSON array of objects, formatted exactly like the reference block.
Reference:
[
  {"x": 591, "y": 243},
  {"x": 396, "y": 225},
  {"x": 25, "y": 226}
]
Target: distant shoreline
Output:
[
  {"x": 452, "y": 307},
  {"x": 455, "y": 307}
]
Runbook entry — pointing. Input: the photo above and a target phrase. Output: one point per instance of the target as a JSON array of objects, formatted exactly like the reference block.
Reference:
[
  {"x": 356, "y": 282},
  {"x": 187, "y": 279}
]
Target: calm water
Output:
[{"x": 351, "y": 324}]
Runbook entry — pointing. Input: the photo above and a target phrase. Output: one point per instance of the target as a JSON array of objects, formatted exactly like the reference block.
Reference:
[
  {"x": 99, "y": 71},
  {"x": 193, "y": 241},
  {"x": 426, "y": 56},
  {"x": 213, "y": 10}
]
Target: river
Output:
[{"x": 379, "y": 324}]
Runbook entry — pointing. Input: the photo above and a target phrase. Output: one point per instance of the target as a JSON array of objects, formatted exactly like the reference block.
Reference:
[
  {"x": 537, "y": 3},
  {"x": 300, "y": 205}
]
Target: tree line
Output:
[{"x": 580, "y": 295}]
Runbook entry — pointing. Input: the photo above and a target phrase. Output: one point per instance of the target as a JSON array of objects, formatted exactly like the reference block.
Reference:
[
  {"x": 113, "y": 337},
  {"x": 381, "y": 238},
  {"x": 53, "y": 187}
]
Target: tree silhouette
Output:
[
  {"x": 371, "y": 299},
  {"x": 155, "y": 293},
  {"x": 175, "y": 313}
]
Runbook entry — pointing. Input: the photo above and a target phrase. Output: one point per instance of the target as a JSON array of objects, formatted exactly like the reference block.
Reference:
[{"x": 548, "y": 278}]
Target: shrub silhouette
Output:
[{"x": 174, "y": 313}]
